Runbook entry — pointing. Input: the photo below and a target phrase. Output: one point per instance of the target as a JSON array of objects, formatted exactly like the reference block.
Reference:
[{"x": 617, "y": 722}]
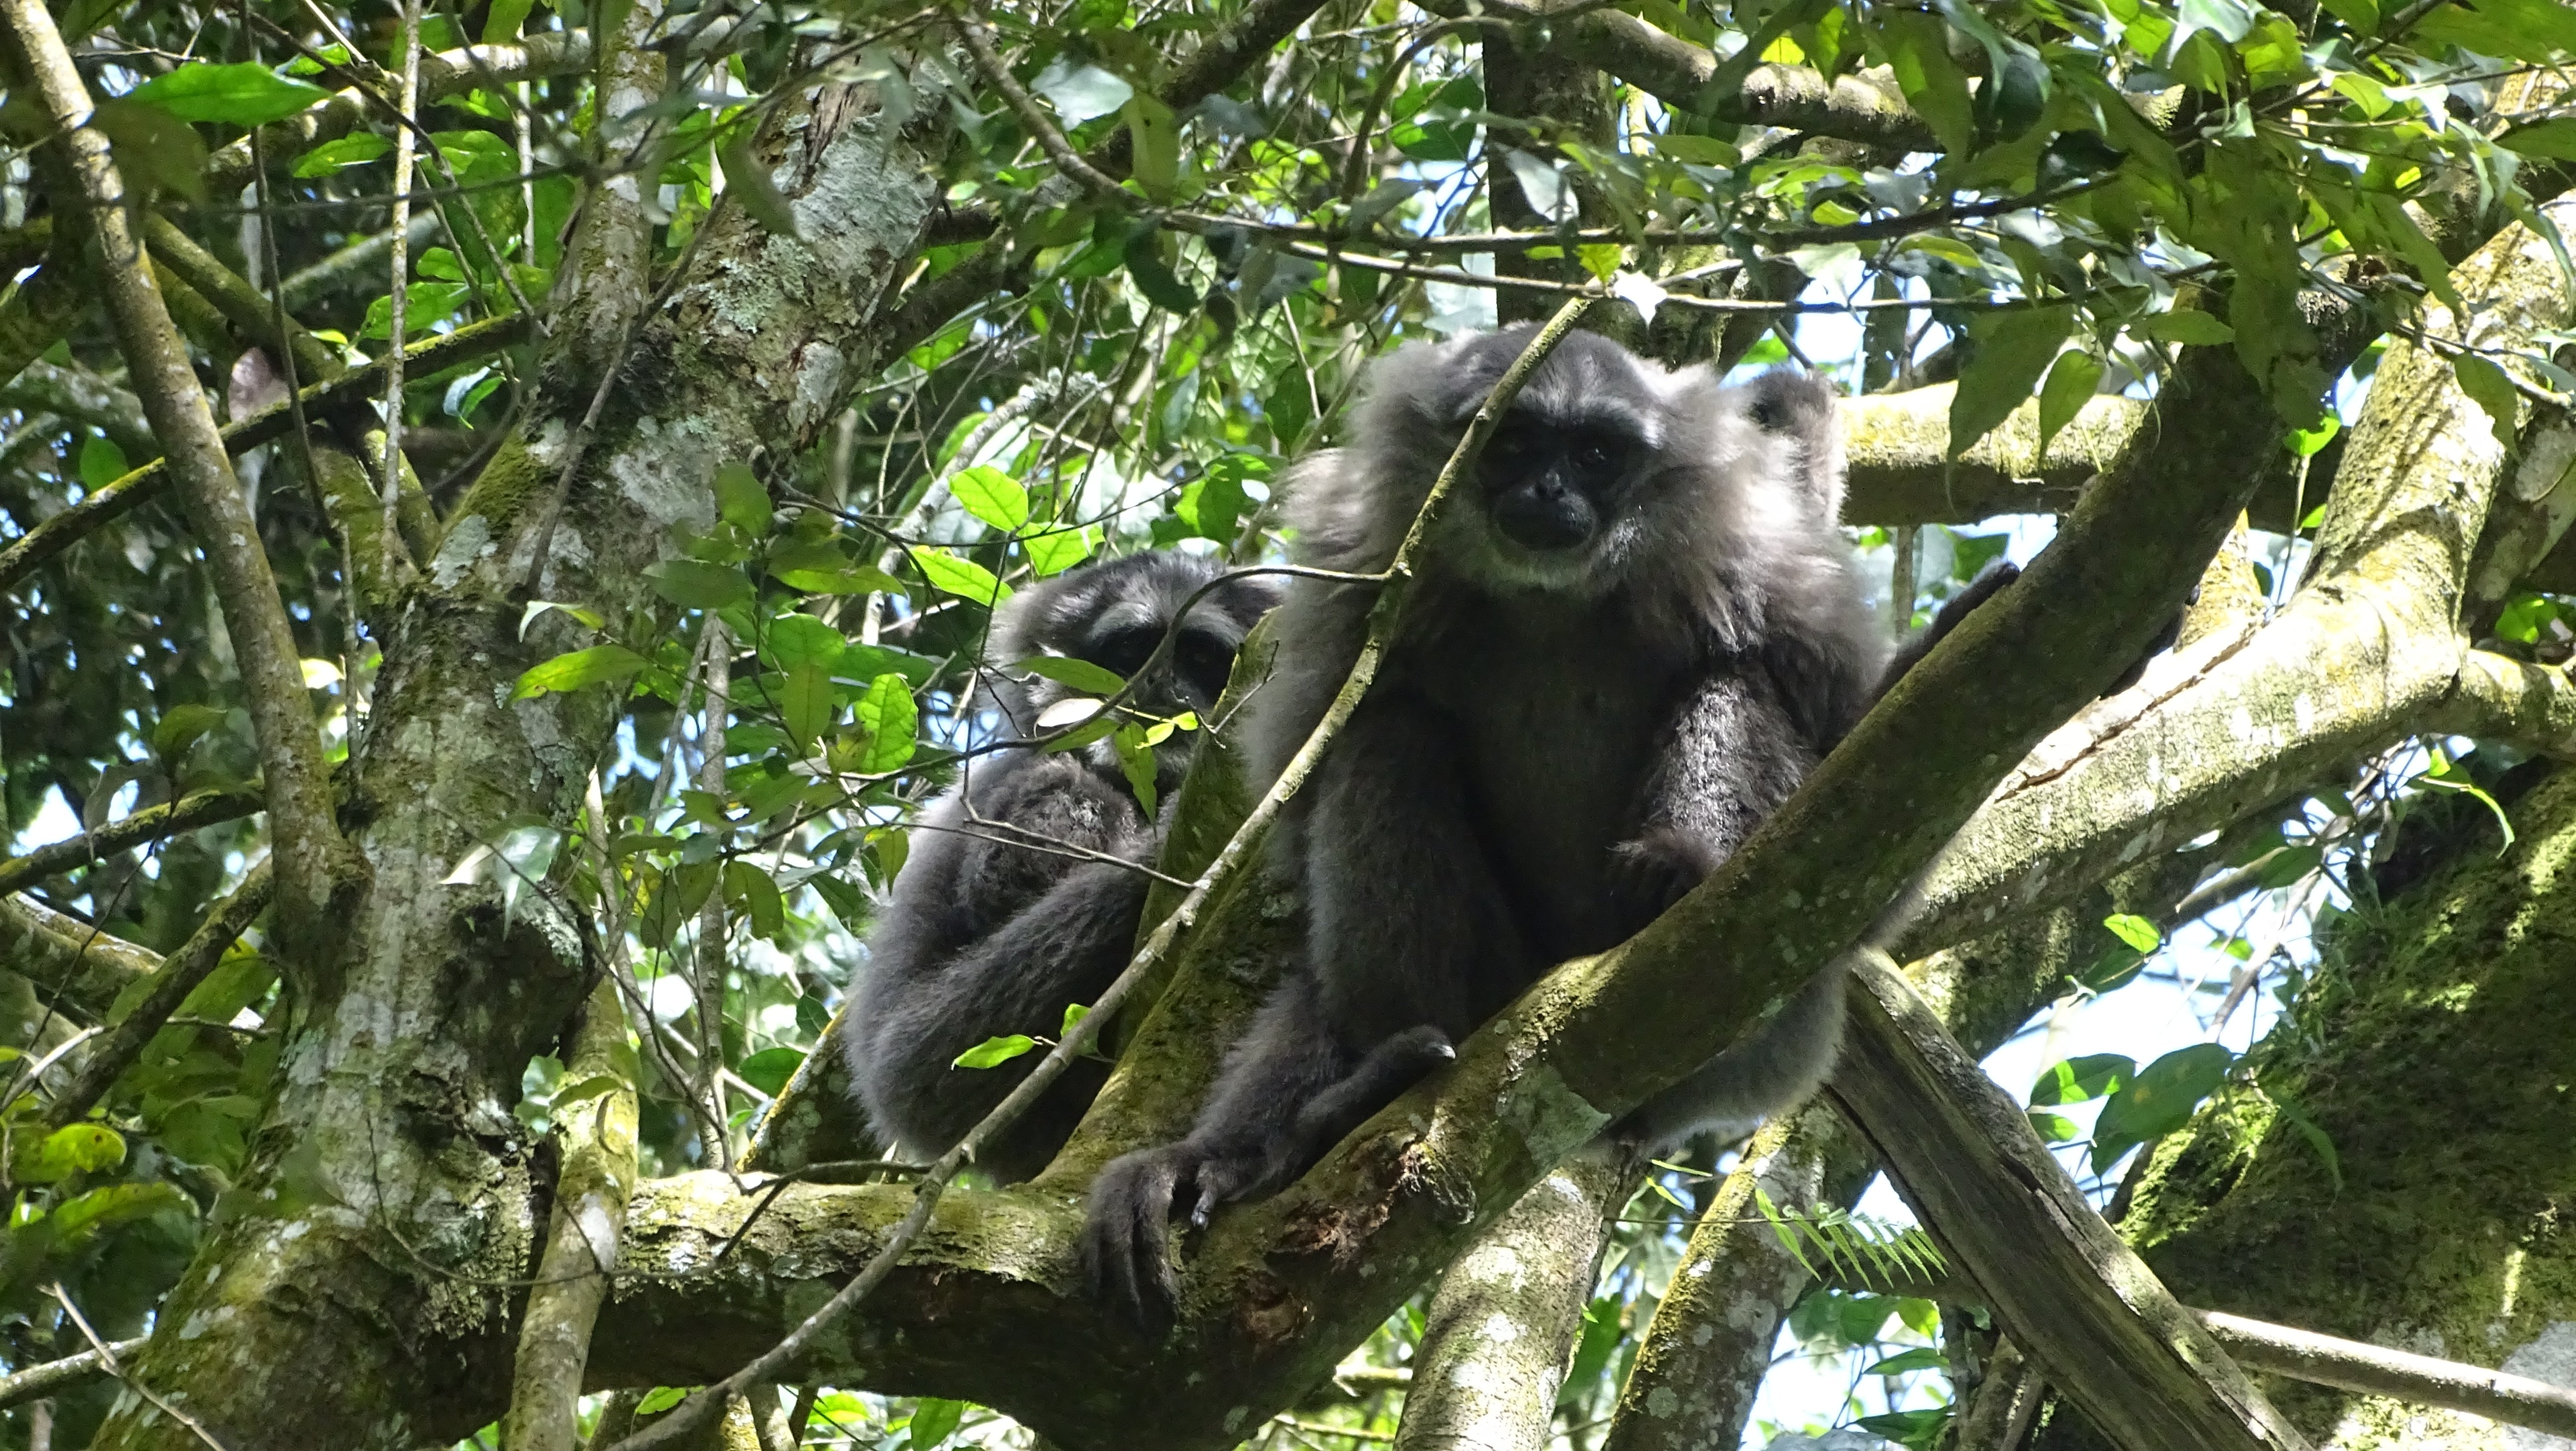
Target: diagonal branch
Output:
[
  {"x": 315, "y": 866},
  {"x": 152, "y": 823},
  {"x": 178, "y": 976}
]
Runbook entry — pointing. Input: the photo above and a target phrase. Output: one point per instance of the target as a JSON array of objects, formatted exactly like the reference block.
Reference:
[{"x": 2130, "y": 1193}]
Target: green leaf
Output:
[
  {"x": 1055, "y": 552},
  {"x": 660, "y": 1399},
  {"x": 2079, "y": 1079},
  {"x": 1696, "y": 150},
  {"x": 501, "y": 23},
  {"x": 2013, "y": 349},
  {"x": 424, "y": 304},
  {"x": 1074, "y": 1013},
  {"x": 756, "y": 895},
  {"x": 697, "y": 585},
  {"x": 2159, "y": 1100},
  {"x": 2186, "y": 326},
  {"x": 740, "y": 500},
  {"x": 2072, "y": 380},
  {"x": 992, "y": 496},
  {"x": 593, "y": 666},
  {"x": 101, "y": 462},
  {"x": 1136, "y": 762},
  {"x": 74, "y": 1149},
  {"x": 441, "y": 264},
  {"x": 847, "y": 902},
  {"x": 180, "y": 729},
  {"x": 108, "y": 1204},
  {"x": 1918, "y": 48},
  {"x": 240, "y": 94},
  {"x": 2138, "y": 932},
  {"x": 2555, "y": 139},
  {"x": 1081, "y": 674},
  {"x": 805, "y": 705},
  {"x": 1907, "y": 1362},
  {"x": 888, "y": 716},
  {"x": 793, "y": 641},
  {"x": 954, "y": 574},
  {"x": 2493, "y": 390},
  {"x": 154, "y": 149},
  {"x": 1156, "y": 134},
  {"x": 1154, "y": 276},
  {"x": 2305, "y": 442},
  {"x": 2309, "y": 1130},
  {"x": 934, "y": 1421},
  {"x": 354, "y": 149},
  {"x": 993, "y": 1052},
  {"x": 769, "y": 1069}
]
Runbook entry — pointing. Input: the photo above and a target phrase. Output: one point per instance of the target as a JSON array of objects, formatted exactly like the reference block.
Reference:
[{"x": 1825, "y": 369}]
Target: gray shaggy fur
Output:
[
  {"x": 984, "y": 938},
  {"x": 1565, "y": 738}
]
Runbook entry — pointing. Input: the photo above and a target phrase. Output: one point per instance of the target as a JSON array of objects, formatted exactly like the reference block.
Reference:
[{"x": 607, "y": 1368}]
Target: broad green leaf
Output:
[
  {"x": 2136, "y": 931},
  {"x": 108, "y": 1204},
  {"x": 697, "y": 585},
  {"x": 154, "y": 149},
  {"x": 769, "y": 1069},
  {"x": 1922, "y": 1357},
  {"x": 2013, "y": 349},
  {"x": 1081, "y": 91},
  {"x": 501, "y": 23},
  {"x": 2305, "y": 442},
  {"x": 793, "y": 641},
  {"x": 2492, "y": 389},
  {"x": 2078, "y": 1079},
  {"x": 1918, "y": 46},
  {"x": 180, "y": 729},
  {"x": 755, "y": 894},
  {"x": 889, "y": 718},
  {"x": 1056, "y": 551},
  {"x": 1694, "y": 150},
  {"x": 101, "y": 462},
  {"x": 2186, "y": 326},
  {"x": 748, "y": 182},
  {"x": 2071, "y": 382},
  {"x": 847, "y": 902},
  {"x": 351, "y": 150},
  {"x": 805, "y": 705},
  {"x": 440, "y": 263},
  {"x": 1136, "y": 762},
  {"x": 239, "y": 94},
  {"x": 1155, "y": 137},
  {"x": 1155, "y": 278},
  {"x": 992, "y": 496},
  {"x": 1074, "y": 1013},
  {"x": 2555, "y": 139},
  {"x": 954, "y": 574},
  {"x": 660, "y": 1399},
  {"x": 740, "y": 500},
  {"x": 995, "y": 1051},
  {"x": 424, "y": 304},
  {"x": 579, "y": 668},
  {"x": 1078, "y": 673},
  {"x": 81, "y": 1148},
  {"x": 2159, "y": 1100},
  {"x": 933, "y": 1422}
]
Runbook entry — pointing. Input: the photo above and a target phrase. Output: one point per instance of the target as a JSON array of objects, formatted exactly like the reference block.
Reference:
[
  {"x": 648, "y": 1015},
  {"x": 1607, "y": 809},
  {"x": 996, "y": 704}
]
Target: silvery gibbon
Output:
[
  {"x": 1635, "y": 630},
  {"x": 998, "y": 922}
]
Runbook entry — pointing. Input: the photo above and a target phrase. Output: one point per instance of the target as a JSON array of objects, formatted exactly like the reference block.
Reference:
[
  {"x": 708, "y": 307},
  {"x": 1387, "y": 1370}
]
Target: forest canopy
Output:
[{"x": 503, "y": 508}]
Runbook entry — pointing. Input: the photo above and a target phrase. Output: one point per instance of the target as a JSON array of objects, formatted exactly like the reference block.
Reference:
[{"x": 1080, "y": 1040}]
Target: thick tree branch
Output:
[
  {"x": 178, "y": 976},
  {"x": 597, "y": 1127},
  {"x": 73, "y": 964},
  {"x": 44, "y": 307},
  {"x": 152, "y": 823},
  {"x": 37, "y": 1381},
  {"x": 32, "y": 549},
  {"x": 2499, "y": 698},
  {"x": 1474, "y": 1386},
  {"x": 315, "y": 867},
  {"x": 2364, "y": 655},
  {"x": 2377, "y": 1370},
  {"x": 239, "y": 303},
  {"x": 82, "y": 396},
  {"x": 2068, "y": 1287}
]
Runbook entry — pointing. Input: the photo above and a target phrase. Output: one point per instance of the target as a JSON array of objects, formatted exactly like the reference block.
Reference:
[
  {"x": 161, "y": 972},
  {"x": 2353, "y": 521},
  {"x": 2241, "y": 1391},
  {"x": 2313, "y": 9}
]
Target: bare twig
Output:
[{"x": 108, "y": 1362}]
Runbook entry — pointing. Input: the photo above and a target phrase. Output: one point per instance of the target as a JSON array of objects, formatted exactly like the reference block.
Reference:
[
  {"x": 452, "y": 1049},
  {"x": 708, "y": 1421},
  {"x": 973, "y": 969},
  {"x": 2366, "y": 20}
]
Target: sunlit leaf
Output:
[
  {"x": 598, "y": 664},
  {"x": 993, "y": 1052},
  {"x": 238, "y": 94}
]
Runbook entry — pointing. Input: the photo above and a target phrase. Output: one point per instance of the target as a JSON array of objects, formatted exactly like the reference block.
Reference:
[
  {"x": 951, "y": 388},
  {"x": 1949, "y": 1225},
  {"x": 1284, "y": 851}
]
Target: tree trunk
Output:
[{"x": 2434, "y": 1049}]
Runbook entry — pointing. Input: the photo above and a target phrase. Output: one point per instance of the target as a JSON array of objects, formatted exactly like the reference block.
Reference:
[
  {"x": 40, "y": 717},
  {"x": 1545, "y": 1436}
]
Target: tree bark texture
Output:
[
  {"x": 364, "y": 1297},
  {"x": 2434, "y": 1049}
]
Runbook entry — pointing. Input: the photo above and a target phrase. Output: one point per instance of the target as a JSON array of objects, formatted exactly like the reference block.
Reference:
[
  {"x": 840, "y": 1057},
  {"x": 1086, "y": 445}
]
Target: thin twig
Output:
[
  {"x": 107, "y": 1360},
  {"x": 399, "y": 264}
]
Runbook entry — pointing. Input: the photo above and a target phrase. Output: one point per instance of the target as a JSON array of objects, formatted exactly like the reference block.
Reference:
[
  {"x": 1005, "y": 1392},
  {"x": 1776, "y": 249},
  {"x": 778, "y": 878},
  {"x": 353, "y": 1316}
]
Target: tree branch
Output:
[
  {"x": 32, "y": 549},
  {"x": 152, "y": 823},
  {"x": 179, "y": 974},
  {"x": 2500, "y": 698},
  {"x": 315, "y": 868},
  {"x": 76, "y": 965},
  {"x": 81, "y": 396}
]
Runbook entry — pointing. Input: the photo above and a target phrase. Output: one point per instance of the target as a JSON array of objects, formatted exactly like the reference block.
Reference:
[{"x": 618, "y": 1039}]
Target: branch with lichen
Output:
[
  {"x": 151, "y": 824},
  {"x": 178, "y": 975},
  {"x": 316, "y": 869},
  {"x": 75, "y": 965}
]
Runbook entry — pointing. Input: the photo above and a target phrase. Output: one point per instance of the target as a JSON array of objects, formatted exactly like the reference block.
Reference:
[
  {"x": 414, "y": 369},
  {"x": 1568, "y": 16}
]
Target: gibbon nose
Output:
[{"x": 1544, "y": 515}]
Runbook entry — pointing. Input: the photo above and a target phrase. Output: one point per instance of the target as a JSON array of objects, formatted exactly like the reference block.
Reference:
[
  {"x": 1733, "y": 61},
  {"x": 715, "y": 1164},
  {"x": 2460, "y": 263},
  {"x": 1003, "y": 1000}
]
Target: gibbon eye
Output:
[
  {"x": 1125, "y": 651},
  {"x": 1592, "y": 455}
]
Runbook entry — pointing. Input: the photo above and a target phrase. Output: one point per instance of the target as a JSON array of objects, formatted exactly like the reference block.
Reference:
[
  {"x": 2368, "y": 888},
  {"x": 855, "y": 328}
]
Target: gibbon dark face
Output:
[
  {"x": 1113, "y": 615},
  {"x": 1549, "y": 482}
]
